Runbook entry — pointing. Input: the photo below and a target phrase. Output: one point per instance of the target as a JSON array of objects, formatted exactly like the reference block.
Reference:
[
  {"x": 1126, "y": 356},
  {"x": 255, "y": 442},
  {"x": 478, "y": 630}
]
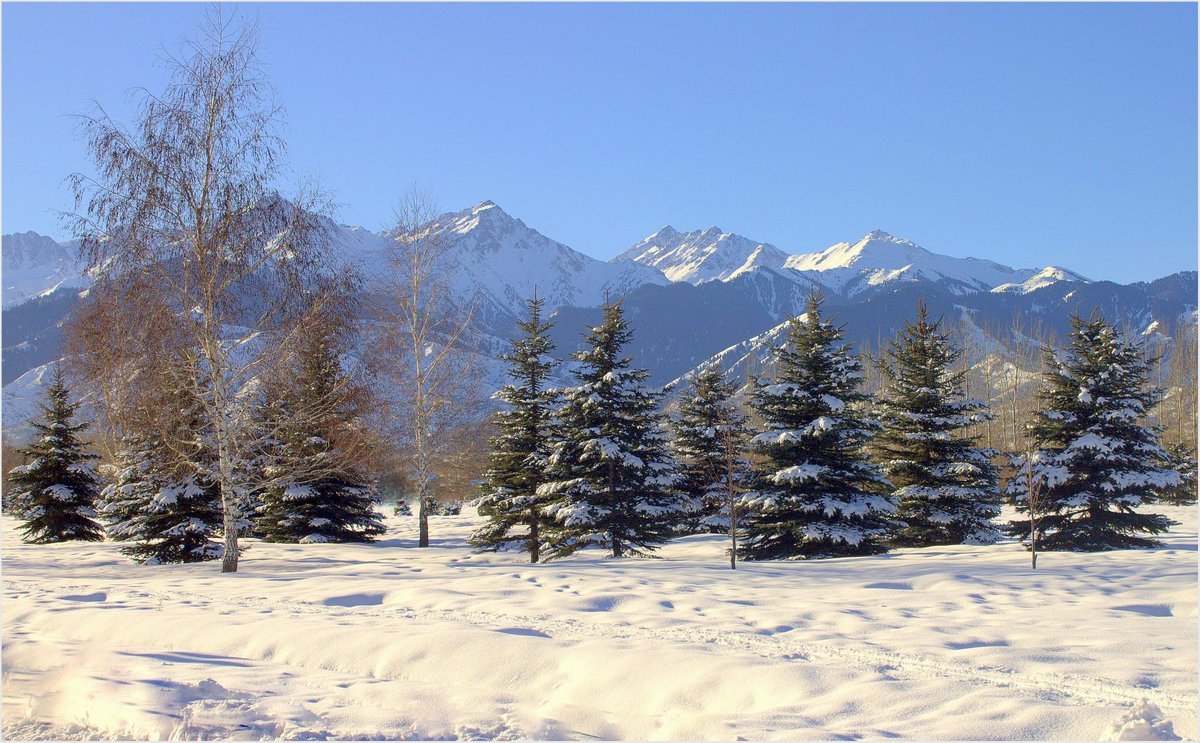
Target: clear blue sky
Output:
[{"x": 1028, "y": 134}]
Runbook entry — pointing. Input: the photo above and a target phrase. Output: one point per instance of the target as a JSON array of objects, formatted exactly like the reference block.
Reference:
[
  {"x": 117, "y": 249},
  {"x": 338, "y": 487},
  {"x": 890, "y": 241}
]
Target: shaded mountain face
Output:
[
  {"x": 678, "y": 324},
  {"x": 694, "y": 298},
  {"x": 1152, "y": 311},
  {"x": 35, "y": 265}
]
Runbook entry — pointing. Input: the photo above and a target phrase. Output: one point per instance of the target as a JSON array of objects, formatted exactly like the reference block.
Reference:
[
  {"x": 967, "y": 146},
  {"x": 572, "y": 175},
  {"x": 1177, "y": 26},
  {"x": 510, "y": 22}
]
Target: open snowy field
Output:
[{"x": 389, "y": 641}]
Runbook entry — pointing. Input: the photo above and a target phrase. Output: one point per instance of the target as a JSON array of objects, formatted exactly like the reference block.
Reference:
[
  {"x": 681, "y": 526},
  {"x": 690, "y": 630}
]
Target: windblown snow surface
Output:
[{"x": 390, "y": 641}]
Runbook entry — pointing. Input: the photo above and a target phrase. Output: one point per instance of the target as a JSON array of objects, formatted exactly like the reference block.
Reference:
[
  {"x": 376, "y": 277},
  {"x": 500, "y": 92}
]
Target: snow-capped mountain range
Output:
[
  {"x": 689, "y": 295},
  {"x": 845, "y": 268},
  {"x": 497, "y": 262},
  {"x": 501, "y": 259},
  {"x": 703, "y": 255}
]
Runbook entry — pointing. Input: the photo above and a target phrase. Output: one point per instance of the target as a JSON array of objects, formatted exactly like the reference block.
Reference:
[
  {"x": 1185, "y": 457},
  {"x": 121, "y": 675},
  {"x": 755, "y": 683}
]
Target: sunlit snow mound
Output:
[{"x": 1143, "y": 722}]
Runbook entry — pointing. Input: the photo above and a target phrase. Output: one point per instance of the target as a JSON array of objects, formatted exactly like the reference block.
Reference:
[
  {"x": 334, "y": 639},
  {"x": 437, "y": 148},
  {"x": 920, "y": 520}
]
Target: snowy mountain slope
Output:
[
  {"x": 1047, "y": 276},
  {"x": 702, "y": 255},
  {"x": 21, "y": 398},
  {"x": 1153, "y": 310},
  {"x": 742, "y": 360},
  {"x": 35, "y": 265},
  {"x": 498, "y": 262},
  {"x": 877, "y": 260},
  {"x": 880, "y": 258},
  {"x": 679, "y": 325}
]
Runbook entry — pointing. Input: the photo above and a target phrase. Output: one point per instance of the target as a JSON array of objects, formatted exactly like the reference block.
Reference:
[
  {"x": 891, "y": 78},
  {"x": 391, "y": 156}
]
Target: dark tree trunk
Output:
[{"x": 534, "y": 539}]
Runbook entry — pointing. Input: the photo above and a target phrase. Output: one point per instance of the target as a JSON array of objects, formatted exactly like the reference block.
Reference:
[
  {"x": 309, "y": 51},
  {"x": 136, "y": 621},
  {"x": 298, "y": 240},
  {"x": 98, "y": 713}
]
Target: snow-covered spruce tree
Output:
[
  {"x": 1097, "y": 460},
  {"x": 947, "y": 487},
  {"x": 521, "y": 448},
  {"x": 609, "y": 475},
  {"x": 55, "y": 492},
  {"x": 815, "y": 494},
  {"x": 445, "y": 508},
  {"x": 710, "y": 434},
  {"x": 165, "y": 503},
  {"x": 270, "y": 417},
  {"x": 178, "y": 522},
  {"x": 1182, "y": 460},
  {"x": 132, "y": 487},
  {"x": 313, "y": 492}
]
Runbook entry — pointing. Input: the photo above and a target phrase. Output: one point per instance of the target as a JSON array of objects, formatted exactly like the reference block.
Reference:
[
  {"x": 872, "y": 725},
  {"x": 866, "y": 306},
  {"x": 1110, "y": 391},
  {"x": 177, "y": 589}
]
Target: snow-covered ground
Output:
[{"x": 391, "y": 641}]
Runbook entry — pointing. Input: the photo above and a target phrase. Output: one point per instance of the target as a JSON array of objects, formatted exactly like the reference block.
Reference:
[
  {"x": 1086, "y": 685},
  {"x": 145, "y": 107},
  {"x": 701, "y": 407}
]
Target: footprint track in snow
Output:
[{"x": 1045, "y": 686}]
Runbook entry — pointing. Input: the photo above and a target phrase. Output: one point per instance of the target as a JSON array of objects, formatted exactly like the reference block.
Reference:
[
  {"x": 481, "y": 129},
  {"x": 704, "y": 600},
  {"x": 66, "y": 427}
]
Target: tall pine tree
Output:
[
  {"x": 1097, "y": 459},
  {"x": 816, "y": 495},
  {"x": 610, "y": 476},
  {"x": 947, "y": 487},
  {"x": 520, "y": 450},
  {"x": 314, "y": 490},
  {"x": 710, "y": 436},
  {"x": 55, "y": 492}
]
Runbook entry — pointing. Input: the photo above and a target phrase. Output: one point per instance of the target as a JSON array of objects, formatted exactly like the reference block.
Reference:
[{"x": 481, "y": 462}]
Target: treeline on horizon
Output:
[{"x": 800, "y": 463}]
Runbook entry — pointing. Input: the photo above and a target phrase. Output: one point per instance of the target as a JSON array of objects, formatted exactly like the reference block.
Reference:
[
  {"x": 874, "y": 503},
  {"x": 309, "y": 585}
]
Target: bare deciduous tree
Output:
[
  {"x": 731, "y": 438},
  {"x": 1180, "y": 406},
  {"x": 116, "y": 345},
  {"x": 1033, "y": 493},
  {"x": 424, "y": 349},
  {"x": 186, "y": 201}
]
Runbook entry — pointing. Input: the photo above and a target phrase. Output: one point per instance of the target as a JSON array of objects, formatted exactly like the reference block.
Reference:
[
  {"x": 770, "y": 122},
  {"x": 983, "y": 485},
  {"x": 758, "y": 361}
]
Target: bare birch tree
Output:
[
  {"x": 186, "y": 200},
  {"x": 118, "y": 345},
  {"x": 1034, "y": 486},
  {"x": 735, "y": 469},
  {"x": 424, "y": 349},
  {"x": 1181, "y": 383}
]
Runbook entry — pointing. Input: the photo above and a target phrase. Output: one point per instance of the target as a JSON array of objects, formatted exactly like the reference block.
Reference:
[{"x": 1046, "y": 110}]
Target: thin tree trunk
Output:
[
  {"x": 616, "y": 542},
  {"x": 422, "y": 512},
  {"x": 732, "y": 516},
  {"x": 1031, "y": 493},
  {"x": 229, "y": 514},
  {"x": 732, "y": 532},
  {"x": 534, "y": 544}
]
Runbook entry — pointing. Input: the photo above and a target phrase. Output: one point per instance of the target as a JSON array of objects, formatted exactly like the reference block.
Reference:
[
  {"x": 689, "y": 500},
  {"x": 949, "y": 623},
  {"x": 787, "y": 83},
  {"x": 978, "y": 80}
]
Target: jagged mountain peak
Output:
[
  {"x": 885, "y": 236},
  {"x": 35, "y": 265},
  {"x": 876, "y": 259},
  {"x": 497, "y": 261},
  {"x": 666, "y": 232},
  {"x": 702, "y": 255},
  {"x": 485, "y": 215},
  {"x": 880, "y": 240}
]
